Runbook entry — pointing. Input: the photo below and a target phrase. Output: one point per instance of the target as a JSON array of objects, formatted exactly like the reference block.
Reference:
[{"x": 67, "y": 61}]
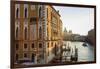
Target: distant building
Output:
[
  {"x": 38, "y": 33},
  {"x": 77, "y": 37},
  {"x": 67, "y": 35},
  {"x": 91, "y": 36},
  {"x": 70, "y": 32}
]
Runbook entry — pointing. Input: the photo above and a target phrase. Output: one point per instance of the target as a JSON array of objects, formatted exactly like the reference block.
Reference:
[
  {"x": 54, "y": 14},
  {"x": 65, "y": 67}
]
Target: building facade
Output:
[
  {"x": 91, "y": 37},
  {"x": 67, "y": 35},
  {"x": 38, "y": 33}
]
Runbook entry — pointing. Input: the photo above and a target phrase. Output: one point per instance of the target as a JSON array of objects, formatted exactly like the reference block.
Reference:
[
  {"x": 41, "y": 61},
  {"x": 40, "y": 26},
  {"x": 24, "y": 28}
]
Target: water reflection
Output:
[{"x": 85, "y": 53}]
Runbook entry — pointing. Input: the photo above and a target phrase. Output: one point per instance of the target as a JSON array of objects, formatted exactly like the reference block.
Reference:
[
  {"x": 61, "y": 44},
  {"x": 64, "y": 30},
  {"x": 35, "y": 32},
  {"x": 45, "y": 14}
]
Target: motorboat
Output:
[{"x": 84, "y": 44}]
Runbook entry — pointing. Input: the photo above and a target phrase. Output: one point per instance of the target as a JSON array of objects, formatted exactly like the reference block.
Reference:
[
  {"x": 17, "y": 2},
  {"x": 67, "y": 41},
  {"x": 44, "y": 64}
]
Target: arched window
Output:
[
  {"x": 33, "y": 57},
  {"x": 40, "y": 33},
  {"x": 32, "y": 45},
  {"x": 16, "y": 57},
  {"x": 25, "y": 13},
  {"x": 25, "y": 33},
  {"x": 25, "y": 46},
  {"x": 48, "y": 44},
  {"x": 47, "y": 12},
  {"x": 40, "y": 12},
  {"x": 40, "y": 45},
  {"x": 17, "y": 12},
  {"x": 55, "y": 49},
  {"x": 25, "y": 55},
  {"x": 17, "y": 32},
  {"x": 17, "y": 46}
]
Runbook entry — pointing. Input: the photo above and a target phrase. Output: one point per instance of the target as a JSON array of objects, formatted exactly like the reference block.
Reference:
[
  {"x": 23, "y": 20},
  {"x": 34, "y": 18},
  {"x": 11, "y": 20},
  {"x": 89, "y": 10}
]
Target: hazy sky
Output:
[{"x": 79, "y": 20}]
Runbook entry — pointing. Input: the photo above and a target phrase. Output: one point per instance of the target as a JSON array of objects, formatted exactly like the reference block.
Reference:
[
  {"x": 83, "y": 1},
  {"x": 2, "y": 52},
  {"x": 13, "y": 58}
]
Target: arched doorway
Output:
[{"x": 33, "y": 57}]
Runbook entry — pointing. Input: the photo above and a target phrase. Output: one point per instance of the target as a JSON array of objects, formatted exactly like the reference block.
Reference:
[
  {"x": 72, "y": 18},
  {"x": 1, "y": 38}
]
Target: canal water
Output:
[{"x": 85, "y": 53}]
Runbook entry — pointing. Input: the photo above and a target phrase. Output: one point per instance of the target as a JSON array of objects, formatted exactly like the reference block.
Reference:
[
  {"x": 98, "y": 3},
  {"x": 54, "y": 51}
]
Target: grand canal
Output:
[{"x": 85, "y": 53}]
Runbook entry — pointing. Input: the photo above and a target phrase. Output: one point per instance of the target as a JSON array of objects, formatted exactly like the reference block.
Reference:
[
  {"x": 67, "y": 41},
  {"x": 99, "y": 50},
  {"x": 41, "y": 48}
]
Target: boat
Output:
[
  {"x": 74, "y": 57},
  {"x": 84, "y": 44}
]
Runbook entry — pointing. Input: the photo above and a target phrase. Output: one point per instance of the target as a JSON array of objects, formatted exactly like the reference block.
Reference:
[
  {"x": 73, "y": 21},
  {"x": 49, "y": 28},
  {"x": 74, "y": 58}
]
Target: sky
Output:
[{"x": 79, "y": 20}]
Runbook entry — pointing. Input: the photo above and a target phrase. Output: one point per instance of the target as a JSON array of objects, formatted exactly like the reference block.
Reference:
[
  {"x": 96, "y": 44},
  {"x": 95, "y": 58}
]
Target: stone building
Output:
[
  {"x": 91, "y": 37},
  {"x": 38, "y": 33}
]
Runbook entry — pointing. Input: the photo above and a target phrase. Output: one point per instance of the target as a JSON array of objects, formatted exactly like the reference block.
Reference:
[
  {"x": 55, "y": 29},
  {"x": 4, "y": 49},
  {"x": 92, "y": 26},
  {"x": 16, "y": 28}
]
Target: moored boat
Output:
[{"x": 84, "y": 44}]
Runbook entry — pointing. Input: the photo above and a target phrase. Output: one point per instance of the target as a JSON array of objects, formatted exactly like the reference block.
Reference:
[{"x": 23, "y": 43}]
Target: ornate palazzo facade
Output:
[{"x": 38, "y": 33}]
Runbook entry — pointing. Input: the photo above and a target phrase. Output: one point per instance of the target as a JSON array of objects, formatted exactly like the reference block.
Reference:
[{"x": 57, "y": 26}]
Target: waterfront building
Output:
[
  {"x": 38, "y": 33},
  {"x": 91, "y": 36}
]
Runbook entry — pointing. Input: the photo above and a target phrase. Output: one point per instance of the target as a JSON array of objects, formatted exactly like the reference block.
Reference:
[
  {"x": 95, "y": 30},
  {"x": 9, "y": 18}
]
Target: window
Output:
[
  {"x": 55, "y": 49},
  {"x": 17, "y": 46},
  {"x": 17, "y": 32},
  {"x": 25, "y": 13},
  {"x": 47, "y": 33},
  {"x": 33, "y": 57},
  {"x": 40, "y": 45},
  {"x": 40, "y": 33},
  {"x": 25, "y": 32},
  {"x": 47, "y": 12},
  {"x": 17, "y": 12},
  {"x": 33, "y": 20},
  {"x": 32, "y": 45},
  {"x": 48, "y": 53},
  {"x": 52, "y": 44},
  {"x": 48, "y": 44},
  {"x": 25, "y": 46},
  {"x": 40, "y": 12},
  {"x": 51, "y": 16},
  {"x": 16, "y": 57},
  {"x": 25, "y": 55}
]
